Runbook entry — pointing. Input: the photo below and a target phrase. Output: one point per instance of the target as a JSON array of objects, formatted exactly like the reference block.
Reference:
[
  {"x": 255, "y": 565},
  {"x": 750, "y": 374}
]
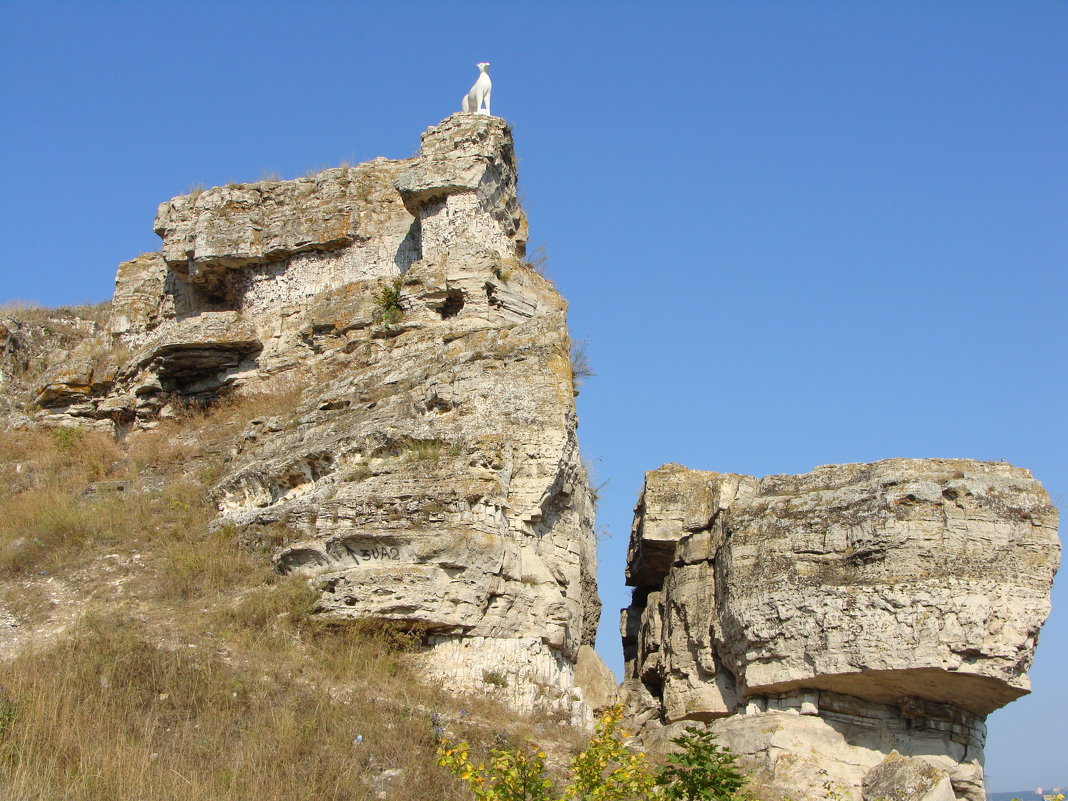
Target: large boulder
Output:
[{"x": 898, "y": 602}]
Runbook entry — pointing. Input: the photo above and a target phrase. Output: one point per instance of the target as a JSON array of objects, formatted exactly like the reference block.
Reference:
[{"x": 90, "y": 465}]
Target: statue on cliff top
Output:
[{"x": 480, "y": 92}]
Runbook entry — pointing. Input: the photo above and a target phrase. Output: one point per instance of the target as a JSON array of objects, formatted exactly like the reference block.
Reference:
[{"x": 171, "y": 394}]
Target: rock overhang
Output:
[{"x": 914, "y": 587}]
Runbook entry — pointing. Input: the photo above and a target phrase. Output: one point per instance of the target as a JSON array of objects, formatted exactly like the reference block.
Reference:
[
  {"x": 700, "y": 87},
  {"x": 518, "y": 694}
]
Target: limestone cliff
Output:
[
  {"x": 431, "y": 475},
  {"x": 825, "y": 619},
  {"x": 835, "y": 627}
]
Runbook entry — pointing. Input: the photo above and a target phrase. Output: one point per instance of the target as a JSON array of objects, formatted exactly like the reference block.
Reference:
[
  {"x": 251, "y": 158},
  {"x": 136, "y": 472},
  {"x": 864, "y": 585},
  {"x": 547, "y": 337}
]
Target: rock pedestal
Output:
[{"x": 826, "y": 619}]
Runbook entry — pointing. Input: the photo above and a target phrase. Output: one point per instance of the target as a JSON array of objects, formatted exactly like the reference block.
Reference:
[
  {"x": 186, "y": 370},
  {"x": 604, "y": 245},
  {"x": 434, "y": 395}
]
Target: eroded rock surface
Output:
[
  {"x": 899, "y": 778},
  {"x": 823, "y": 619},
  {"x": 431, "y": 473},
  {"x": 43, "y": 355}
]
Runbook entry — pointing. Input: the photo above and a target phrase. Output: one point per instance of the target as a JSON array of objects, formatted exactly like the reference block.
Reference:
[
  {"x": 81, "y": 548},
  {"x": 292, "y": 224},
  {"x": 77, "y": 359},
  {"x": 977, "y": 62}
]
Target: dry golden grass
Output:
[
  {"x": 202, "y": 674},
  {"x": 281, "y": 399},
  {"x": 43, "y": 514},
  {"x": 48, "y": 519},
  {"x": 39, "y": 524},
  {"x": 200, "y": 426},
  {"x": 63, "y": 319},
  {"x": 27, "y": 601},
  {"x": 107, "y": 714},
  {"x": 63, "y": 458}
]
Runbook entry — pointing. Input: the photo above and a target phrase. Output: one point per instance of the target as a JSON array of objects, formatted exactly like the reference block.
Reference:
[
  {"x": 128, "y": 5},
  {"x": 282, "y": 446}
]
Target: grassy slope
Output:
[{"x": 142, "y": 656}]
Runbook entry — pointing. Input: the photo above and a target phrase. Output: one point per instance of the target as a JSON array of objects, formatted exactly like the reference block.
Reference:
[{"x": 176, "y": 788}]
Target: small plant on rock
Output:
[
  {"x": 388, "y": 310},
  {"x": 494, "y": 677},
  {"x": 580, "y": 364},
  {"x": 424, "y": 450},
  {"x": 359, "y": 472},
  {"x": 536, "y": 261}
]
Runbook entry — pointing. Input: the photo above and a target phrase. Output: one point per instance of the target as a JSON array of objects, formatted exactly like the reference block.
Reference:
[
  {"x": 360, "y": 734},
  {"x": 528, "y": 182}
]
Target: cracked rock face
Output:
[
  {"x": 899, "y": 778},
  {"x": 896, "y": 602},
  {"x": 431, "y": 474}
]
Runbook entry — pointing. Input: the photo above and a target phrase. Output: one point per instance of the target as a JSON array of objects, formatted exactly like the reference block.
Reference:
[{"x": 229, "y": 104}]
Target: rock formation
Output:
[
  {"x": 431, "y": 474},
  {"x": 835, "y": 627},
  {"x": 825, "y": 619}
]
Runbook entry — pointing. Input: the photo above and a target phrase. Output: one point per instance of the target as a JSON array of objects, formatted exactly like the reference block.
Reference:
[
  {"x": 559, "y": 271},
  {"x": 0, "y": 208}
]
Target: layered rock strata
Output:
[
  {"x": 35, "y": 342},
  {"x": 431, "y": 474},
  {"x": 825, "y": 619}
]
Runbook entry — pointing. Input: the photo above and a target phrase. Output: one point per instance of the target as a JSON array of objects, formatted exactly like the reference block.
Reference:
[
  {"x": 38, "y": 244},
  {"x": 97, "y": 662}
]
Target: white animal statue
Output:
[{"x": 480, "y": 92}]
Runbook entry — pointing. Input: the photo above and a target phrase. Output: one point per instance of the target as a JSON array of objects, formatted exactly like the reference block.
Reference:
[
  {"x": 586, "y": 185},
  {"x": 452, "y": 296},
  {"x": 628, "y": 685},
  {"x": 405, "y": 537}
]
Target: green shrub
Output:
[
  {"x": 702, "y": 771},
  {"x": 512, "y": 774},
  {"x": 387, "y": 303},
  {"x": 67, "y": 439},
  {"x": 607, "y": 770}
]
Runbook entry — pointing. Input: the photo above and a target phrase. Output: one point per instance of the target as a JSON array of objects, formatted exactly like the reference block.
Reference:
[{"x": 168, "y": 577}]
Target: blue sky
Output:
[{"x": 793, "y": 233}]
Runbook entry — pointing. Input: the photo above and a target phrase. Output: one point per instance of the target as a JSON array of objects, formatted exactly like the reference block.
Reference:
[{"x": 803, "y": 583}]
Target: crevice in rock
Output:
[{"x": 453, "y": 303}]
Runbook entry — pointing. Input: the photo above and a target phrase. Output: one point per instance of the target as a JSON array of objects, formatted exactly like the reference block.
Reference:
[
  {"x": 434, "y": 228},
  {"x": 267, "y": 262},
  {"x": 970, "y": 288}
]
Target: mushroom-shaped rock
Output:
[{"x": 905, "y": 593}]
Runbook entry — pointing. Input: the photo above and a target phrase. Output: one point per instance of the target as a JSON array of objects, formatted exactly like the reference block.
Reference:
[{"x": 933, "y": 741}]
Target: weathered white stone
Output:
[
  {"x": 597, "y": 683},
  {"x": 900, "y": 778},
  {"x": 904, "y": 595},
  {"x": 524, "y": 672},
  {"x": 65, "y": 384},
  {"x": 463, "y": 188},
  {"x": 207, "y": 234}
]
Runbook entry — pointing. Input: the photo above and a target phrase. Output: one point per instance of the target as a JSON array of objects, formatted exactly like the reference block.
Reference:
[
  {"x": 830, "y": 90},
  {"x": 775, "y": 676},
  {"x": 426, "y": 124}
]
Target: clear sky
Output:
[{"x": 793, "y": 233}]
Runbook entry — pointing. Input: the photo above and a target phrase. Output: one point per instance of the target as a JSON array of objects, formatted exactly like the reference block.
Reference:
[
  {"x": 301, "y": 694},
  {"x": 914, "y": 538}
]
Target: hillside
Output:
[{"x": 148, "y": 656}]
